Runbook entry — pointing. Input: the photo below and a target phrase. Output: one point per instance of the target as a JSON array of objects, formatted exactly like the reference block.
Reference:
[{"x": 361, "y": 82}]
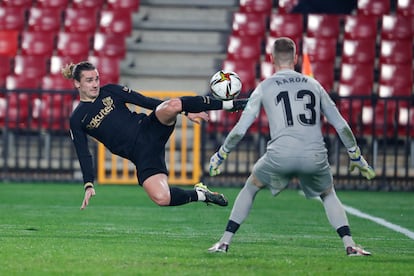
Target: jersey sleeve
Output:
[
  {"x": 133, "y": 97},
  {"x": 335, "y": 118},
  {"x": 80, "y": 141},
  {"x": 247, "y": 118}
]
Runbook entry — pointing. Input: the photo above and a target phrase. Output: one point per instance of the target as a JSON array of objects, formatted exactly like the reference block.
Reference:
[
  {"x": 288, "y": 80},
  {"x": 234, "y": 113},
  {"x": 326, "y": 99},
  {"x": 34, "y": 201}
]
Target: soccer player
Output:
[
  {"x": 293, "y": 103},
  {"x": 103, "y": 114}
]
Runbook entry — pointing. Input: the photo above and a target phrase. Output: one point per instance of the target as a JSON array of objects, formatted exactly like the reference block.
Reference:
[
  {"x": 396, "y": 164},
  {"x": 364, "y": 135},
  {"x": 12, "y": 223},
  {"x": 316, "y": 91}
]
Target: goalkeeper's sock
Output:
[
  {"x": 196, "y": 104},
  {"x": 345, "y": 233},
  {"x": 231, "y": 229},
  {"x": 180, "y": 196}
]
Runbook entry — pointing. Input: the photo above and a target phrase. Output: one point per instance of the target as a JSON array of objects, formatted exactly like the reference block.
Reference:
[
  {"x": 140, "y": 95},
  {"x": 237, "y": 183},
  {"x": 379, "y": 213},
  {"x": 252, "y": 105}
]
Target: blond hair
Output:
[{"x": 73, "y": 71}]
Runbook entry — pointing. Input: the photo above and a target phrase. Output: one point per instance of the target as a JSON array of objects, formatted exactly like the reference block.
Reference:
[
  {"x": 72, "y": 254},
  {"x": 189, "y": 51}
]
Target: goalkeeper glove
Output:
[
  {"x": 216, "y": 160},
  {"x": 358, "y": 161}
]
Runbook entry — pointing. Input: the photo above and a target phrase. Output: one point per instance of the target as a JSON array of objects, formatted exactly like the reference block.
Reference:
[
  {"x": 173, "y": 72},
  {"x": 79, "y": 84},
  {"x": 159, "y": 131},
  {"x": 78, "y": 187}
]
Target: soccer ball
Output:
[{"x": 225, "y": 85}]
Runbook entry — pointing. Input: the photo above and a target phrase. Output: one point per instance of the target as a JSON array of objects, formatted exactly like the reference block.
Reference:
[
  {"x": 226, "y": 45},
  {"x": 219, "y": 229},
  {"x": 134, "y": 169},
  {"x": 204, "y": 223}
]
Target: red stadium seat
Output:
[
  {"x": 285, "y": 6},
  {"x": 252, "y": 24},
  {"x": 256, "y": 6},
  {"x": 30, "y": 66},
  {"x": 319, "y": 49},
  {"x": 75, "y": 45},
  {"x": 405, "y": 7},
  {"x": 323, "y": 25},
  {"x": 116, "y": 21},
  {"x": 132, "y": 5},
  {"x": 380, "y": 119},
  {"x": 244, "y": 48},
  {"x": 12, "y": 18},
  {"x": 58, "y": 62},
  {"x": 18, "y": 102},
  {"x": 80, "y": 20},
  {"x": 56, "y": 4},
  {"x": 108, "y": 67},
  {"x": 9, "y": 42},
  {"x": 95, "y": 4},
  {"x": 5, "y": 69},
  {"x": 360, "y": 27},
  {"x": 111, "y": 45},
  {"x": 397, "y": 27},
  {"x": 396, "y": 51},
  {"x": 358, "y": 51},
  {"x": 358, "y": 76},
  {"x": 38, "y": 43},
  {"x": 289, "y": 25},
  {"x": 54, "y": 109},
  {"x": 44, "y": 19},
  {"x": 356, "y": 80},
  {"x": 246, "y": 69},
  {"x": 324, "y": 73},
  {"x": 266, "y": 69},
  {"x": 374, "y": 7},
  {"x": 395, "y": 79},
  {"x": 56, "y": 82},
  {"x": 24, "y": 4}
]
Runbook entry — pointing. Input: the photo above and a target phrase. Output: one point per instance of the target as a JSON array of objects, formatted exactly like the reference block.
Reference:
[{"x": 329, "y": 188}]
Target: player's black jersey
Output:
[{"x": 109, "y": 120}]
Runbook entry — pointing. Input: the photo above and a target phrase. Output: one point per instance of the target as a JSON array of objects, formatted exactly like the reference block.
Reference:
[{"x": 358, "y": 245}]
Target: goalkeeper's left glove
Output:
[
  {"x": 216, "y": 160},
  {"x": 358, "y": 161}
]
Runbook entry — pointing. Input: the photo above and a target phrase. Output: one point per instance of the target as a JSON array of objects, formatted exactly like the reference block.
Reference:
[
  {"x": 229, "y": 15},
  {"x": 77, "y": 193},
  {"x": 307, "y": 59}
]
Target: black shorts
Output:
[{"x": 149, "y": 151}]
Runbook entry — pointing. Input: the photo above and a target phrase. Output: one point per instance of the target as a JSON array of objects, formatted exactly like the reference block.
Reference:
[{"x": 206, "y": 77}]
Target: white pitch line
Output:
[{"x": 380, "y": 221}]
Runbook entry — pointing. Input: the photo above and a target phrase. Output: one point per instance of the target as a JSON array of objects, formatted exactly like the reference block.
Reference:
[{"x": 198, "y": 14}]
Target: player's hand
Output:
[
  {"x": 89, "y": 192},
  {"x": 216, "y": 160},
  {"x": 358, "y": 161},
  {"x": 196, "y": 117}
]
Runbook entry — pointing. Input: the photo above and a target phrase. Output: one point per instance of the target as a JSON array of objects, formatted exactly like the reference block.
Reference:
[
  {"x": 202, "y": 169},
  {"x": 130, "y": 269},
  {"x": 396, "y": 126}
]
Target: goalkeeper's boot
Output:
[
  {"x": 220, "y": 247},
  {"x": 211, "y": 197},
  {"x": 356, "y": 251}
]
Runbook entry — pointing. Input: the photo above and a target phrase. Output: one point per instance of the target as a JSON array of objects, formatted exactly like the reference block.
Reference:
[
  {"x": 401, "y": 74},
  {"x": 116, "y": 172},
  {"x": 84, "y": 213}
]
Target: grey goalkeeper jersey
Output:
[{"x": 294, "y": 104}]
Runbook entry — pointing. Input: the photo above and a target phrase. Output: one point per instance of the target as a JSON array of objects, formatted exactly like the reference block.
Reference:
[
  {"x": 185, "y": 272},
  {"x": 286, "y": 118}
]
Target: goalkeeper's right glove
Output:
[
  {"x": 358, "y": 161},
  {"x": 216, "y": 160}
]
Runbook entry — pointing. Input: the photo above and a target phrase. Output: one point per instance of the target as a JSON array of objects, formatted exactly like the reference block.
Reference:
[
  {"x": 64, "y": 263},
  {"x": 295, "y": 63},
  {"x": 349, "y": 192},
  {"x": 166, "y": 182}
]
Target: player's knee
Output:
[
  {"x": 171, "y": 106},
  {"x": 161, "y": 199}
]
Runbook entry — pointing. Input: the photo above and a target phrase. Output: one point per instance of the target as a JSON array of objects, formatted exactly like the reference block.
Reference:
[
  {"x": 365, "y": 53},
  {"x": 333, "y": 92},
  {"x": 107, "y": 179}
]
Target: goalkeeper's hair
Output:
[
  {"x": 73, "y": 71},
  {"x": 284, "y": 51}
]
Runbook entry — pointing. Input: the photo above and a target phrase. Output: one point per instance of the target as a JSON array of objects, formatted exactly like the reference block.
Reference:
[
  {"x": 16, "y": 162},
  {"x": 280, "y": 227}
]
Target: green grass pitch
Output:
[{"x": 121, "y": 232}]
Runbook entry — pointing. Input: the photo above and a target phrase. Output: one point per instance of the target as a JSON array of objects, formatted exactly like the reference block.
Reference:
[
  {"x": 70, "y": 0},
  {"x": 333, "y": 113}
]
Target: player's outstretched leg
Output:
[{"x": 211, "y": 197}]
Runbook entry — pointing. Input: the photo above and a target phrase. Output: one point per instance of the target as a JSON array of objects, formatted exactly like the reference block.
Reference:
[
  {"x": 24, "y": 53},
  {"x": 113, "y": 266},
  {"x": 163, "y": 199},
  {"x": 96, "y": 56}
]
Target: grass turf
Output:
[{"x": 43, "y": 232}]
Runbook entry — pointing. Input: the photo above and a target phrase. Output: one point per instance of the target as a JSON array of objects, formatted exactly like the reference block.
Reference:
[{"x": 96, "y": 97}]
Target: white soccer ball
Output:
[{"x": 225, "y": 85}]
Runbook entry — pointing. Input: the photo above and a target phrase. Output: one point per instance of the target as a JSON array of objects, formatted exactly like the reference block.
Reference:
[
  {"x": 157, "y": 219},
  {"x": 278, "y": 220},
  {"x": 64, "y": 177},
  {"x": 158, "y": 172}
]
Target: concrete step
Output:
[
  {"x": 176, "y": 41},
  {"x": 182, "y": 18},
  {"x": 199, "y": 85},
  {"x": 194, "y": 3}
]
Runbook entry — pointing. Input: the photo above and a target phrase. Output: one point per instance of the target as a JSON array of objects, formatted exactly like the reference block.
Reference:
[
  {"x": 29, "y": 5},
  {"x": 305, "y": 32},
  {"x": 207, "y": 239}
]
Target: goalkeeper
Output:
[{"x": 293, "y": 104}]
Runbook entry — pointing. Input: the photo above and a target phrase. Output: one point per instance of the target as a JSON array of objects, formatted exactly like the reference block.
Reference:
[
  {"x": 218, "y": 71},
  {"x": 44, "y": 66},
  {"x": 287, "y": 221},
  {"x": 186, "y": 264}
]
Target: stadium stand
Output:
[
  {"x": 56, "y": 4},
  {"x": 116, "y": 21},
  {"x": 132, "y": 5},
  {"x": 289, "y": 25},
  {"x": 74, "y": 45},
  {"x": 31, "y": 66},
  {"x": 111, "y": 45},
  {"x": 250, "y": 24},
  {"x": 395, "y": 51}
]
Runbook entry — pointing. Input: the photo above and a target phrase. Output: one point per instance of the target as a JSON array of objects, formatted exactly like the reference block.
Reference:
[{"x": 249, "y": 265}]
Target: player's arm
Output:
[
  {"x": 80, "y": 142},
  {"x": 347, "y": 137},
  {"x": 237, "y": 133},
  {"x": 134, "y": 97}
]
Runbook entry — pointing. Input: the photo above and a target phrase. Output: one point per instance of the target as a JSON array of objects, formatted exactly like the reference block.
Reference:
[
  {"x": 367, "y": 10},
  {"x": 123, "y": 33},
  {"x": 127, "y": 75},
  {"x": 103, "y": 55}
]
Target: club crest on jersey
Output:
[{"x": 96, "y": 121}]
